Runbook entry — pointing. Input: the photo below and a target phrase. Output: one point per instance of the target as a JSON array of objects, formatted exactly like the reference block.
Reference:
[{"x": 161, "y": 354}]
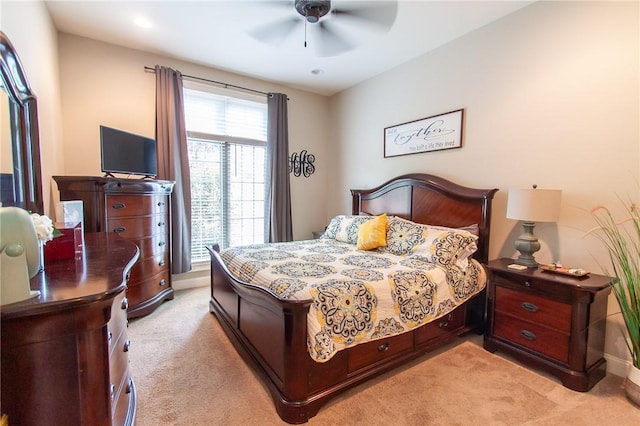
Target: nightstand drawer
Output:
[
  {"x": 530, "y": 307},
  {"x": 533, "y": 336}
]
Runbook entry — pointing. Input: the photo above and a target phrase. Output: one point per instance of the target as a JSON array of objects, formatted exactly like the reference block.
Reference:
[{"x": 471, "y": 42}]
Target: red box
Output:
[{"x": 67, "y": 245}]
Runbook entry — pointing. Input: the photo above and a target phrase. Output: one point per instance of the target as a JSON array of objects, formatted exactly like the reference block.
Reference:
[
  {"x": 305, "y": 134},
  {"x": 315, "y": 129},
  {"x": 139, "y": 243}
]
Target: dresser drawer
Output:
[
  {"x": 441, "y": 326},
  {"x": 120, "y": 406},
  {"x": 150, "y": 267},
  {"x": 368, "y": 354},
  {"x": 155, "y": 245},
  {"x": 147, "y": 289},
  {"x": 539, "y": 338},
  {"x": 136, "y": 227},
  {"x": 117, "y": 325},
  {"x": 120, "y": 205},
  {"x": 530, "y": 307}
]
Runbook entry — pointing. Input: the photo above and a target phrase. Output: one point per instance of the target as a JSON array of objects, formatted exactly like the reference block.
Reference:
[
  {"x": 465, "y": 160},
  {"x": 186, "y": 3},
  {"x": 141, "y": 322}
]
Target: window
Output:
[{"x": 226, "y": 138}]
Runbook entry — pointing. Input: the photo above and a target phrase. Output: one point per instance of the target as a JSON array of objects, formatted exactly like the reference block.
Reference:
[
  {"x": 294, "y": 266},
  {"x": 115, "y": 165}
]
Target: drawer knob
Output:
[
  {"x": 529, "y": 307},
  {"x": 129, "y": 386},
  {"x": 160, "y": 223},
  {"x": 161, "y": 243},
  {"x": 161, "y": 263},
  {"x": 119, "y": 229},
  {"x": 112, "y": 390},
  {"x": 125, "y": 347},
  {"x": 527, "y": 283},
  {"x": 119, "y": 206},
  {"x": 125, "y": 304},
  {"x": 383, "y": 347},
  {"x": 162, "y": 282},
  {"x": 160, "y": 203},
  {"x": 529, "y": 335},
  {"x": 110, "y": 337},
  {"x": 443, "y": 324}
]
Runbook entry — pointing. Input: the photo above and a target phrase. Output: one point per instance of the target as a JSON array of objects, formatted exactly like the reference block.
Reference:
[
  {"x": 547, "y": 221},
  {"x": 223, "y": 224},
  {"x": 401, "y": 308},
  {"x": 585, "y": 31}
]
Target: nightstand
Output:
[{"x": 549, "y": 321}]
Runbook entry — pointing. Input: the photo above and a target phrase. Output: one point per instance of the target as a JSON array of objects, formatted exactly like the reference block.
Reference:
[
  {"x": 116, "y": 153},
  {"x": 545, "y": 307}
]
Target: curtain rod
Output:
[{"x": 226, "y": 85}]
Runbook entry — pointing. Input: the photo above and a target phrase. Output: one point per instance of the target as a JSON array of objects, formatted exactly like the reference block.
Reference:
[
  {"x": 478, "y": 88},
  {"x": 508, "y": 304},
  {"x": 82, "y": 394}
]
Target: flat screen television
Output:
[{"x": 123, "y": 152}]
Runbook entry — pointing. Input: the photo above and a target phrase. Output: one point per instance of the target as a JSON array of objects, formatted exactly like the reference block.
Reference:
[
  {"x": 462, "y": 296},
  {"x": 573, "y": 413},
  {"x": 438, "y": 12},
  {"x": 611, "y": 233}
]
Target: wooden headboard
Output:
[{"x": 429, "y": 199}]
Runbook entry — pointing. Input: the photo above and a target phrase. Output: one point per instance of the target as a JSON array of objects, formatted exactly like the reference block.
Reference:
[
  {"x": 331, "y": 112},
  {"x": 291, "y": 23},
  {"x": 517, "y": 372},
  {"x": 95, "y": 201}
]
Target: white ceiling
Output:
[{"x": 217, "y": 33}]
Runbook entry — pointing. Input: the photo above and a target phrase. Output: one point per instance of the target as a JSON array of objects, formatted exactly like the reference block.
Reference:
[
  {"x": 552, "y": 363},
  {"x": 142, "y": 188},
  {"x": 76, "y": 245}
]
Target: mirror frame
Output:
[{"x": 25, "y": 139}]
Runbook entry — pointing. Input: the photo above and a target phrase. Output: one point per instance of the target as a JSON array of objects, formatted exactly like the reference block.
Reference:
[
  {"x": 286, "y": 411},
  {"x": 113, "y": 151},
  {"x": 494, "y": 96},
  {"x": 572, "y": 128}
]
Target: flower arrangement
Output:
[
  {"x": 622, "y": 241},
  {"x": 44, "y": 228}
]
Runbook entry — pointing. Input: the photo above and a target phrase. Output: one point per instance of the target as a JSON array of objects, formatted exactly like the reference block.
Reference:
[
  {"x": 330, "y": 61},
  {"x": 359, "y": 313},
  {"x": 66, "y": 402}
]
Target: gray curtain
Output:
[
  {"x": 278, "y": 201},
  {"x": 173, "y": 162}
]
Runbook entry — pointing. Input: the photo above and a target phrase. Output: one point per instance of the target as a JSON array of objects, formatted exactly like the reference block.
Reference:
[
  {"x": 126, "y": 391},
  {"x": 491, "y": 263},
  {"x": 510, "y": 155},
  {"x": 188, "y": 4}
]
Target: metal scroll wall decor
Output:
[{"x": 302, "y": 164}]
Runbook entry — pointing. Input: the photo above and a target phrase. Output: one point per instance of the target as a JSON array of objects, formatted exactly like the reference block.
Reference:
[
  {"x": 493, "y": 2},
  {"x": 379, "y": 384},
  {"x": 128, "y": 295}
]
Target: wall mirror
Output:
[{"x": 20, "y": 178}]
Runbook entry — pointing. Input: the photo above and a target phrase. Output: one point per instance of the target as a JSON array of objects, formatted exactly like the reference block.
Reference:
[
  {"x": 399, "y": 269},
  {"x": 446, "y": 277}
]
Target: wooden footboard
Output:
[{"x": 271, "y": 334}]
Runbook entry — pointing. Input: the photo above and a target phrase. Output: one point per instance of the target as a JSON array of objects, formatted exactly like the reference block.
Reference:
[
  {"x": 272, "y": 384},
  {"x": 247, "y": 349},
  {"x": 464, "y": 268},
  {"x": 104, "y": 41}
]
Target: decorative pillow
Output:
[
  {"x": 345, "y": 228},
  {"x": 403, "y": 236},
  {"x": 373, "y": 233},
  {"x": 447, "y": 246},
  {"x": 438, "y": 244}
]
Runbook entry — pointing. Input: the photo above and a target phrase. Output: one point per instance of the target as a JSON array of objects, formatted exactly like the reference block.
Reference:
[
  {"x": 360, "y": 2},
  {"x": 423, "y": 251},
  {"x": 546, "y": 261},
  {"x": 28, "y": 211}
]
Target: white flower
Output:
[{"x": 44, "y": 227}]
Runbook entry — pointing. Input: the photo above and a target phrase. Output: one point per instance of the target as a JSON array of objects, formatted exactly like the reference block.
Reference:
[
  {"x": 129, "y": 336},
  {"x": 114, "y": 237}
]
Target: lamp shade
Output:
[{"x": 534, "y": 205}]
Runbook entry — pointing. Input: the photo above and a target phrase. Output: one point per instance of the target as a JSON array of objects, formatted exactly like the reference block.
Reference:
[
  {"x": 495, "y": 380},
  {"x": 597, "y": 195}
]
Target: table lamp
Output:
[{"x": 531, "y": 205}]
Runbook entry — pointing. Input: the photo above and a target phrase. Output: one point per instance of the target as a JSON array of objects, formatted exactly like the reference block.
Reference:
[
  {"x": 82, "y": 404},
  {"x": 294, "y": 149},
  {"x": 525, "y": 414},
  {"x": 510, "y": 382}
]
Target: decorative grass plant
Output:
[{"x": 622, "y": 240}]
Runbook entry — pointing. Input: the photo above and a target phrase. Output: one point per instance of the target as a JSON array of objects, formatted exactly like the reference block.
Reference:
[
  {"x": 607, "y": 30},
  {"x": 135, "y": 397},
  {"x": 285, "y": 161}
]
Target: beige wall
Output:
[
  {"x": 28, "y": 26},
  {"x": 106, "y": 84},
  {"x": 551, "y": 97}
]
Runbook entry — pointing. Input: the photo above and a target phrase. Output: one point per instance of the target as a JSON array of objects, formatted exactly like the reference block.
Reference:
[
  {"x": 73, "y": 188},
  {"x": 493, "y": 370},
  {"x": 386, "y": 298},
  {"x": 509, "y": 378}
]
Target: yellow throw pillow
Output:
[{"x": 373, "y": 233}]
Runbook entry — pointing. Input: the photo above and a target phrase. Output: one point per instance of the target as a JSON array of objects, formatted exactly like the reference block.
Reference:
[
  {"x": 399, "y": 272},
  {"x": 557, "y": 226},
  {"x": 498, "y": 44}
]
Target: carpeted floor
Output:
[{"x": 187, "y": 373}]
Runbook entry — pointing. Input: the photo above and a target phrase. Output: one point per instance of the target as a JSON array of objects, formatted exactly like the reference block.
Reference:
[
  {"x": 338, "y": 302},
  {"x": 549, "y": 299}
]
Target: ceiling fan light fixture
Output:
[{"x": 313, "y": 10}]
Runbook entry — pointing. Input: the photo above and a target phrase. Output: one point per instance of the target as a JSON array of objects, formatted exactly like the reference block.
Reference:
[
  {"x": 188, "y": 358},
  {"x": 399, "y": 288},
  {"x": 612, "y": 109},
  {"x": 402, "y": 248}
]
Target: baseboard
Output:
[
  {"x": 617, "y": 366},
  {"x": 198, "y": 277}
]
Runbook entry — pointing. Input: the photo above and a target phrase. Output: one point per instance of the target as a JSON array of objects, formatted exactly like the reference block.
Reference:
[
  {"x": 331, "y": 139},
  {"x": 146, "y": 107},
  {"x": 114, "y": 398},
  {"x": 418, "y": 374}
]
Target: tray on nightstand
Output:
[{"x": 572, "y": 272}]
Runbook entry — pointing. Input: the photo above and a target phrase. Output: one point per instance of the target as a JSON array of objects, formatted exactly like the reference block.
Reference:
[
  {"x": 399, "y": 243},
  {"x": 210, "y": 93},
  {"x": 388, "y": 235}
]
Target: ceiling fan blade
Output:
[
  {"x": 275, "y": 32},
  {"x": 331, "y": 43},
  {"x": 381, "y": 14}
]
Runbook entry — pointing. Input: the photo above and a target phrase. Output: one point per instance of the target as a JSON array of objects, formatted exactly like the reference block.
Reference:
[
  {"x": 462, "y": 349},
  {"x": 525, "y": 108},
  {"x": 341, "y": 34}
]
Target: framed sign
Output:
[{"x": 435, "y": 133}]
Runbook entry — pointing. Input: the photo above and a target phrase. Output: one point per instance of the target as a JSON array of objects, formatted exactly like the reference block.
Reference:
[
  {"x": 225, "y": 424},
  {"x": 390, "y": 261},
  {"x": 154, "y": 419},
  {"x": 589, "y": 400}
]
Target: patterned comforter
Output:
[{"x": 358, "y": 296}]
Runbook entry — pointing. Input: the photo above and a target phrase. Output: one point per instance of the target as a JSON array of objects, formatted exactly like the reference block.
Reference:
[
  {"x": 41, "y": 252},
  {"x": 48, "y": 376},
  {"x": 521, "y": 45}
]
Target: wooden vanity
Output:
[{"x": 64, "y": 353}]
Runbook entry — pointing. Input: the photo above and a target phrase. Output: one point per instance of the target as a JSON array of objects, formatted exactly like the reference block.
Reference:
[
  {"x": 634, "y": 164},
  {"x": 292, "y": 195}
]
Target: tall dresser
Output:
[
  {"x": 139, "y": 210},
  {"x": 64, "y": 354}
]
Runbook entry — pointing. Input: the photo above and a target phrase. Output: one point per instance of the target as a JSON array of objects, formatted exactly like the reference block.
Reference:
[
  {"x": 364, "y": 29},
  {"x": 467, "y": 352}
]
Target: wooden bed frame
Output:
[{"x": 271, "y": 334}]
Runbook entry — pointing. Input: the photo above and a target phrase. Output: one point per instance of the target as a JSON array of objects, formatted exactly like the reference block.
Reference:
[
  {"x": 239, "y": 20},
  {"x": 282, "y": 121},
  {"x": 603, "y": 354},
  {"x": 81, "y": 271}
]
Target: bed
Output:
[{"x": 271, "y": 332}]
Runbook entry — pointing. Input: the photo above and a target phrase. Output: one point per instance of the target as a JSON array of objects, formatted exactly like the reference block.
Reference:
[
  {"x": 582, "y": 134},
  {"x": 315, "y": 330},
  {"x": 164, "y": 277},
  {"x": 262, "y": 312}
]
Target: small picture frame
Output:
[{"x": 439, "y": 132}]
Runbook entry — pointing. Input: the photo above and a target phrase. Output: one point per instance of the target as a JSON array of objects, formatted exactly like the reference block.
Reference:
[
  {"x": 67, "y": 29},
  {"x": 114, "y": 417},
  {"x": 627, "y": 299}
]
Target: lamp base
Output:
[{"x": 527, "y": 244}]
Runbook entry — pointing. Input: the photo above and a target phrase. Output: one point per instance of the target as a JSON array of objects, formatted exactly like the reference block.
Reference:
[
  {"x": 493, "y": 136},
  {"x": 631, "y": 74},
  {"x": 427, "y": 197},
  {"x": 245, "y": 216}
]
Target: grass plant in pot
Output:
[{"x": 622, "y": 241}]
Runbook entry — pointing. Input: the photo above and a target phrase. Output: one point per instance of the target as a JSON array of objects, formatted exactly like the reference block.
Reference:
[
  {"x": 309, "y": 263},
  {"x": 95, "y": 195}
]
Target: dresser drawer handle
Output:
[
  {"x": 125, "y": 347},
  {"x": 119, "y": 206},
  {"x": 112, "y": 390},
  {"x": 129, "y": 386},
  {"x": 160, "y": 203},
  {"x": 125, "y": 304},
  {"x": 528, "y": 334},
  {"x": 128, "y": 276},
  {"x": 119, "y": 229},
  {"x": 160, "y": 223},
  {"x": 110, "y": 337},
  {"x": 161, "y": 263},
  {"x": 527, "y": 283},
  {"x": 162, "y": 282},
  {"x": 529, "y": 307},
  {"x": 443, "y": 324},
  {"x": 161, "y": 243},
  {"x": 383, "y": 347}
]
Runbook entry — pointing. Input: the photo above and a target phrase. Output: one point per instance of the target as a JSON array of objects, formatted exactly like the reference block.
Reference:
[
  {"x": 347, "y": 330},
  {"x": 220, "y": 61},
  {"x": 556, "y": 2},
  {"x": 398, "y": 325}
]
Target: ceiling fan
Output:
[{"x": 331, "y": 23}]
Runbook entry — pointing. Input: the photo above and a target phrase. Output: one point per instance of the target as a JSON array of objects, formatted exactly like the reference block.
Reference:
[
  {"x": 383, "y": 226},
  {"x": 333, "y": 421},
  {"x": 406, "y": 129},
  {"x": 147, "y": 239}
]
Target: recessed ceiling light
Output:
[
  {"x": 142, "y": 22},
  {"x": 317, "y": 71}
]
